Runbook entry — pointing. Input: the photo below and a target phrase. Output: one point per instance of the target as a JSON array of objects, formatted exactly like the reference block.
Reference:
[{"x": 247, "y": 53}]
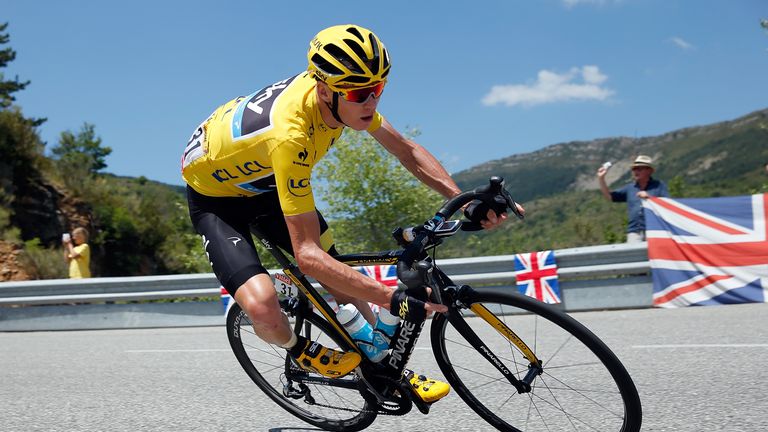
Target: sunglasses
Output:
[{"x": 361, "y": 95}]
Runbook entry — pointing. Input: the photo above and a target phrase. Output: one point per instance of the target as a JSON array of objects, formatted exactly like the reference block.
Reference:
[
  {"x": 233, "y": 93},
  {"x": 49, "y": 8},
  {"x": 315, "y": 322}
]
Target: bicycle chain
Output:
[{"x": 379, "y": 412}]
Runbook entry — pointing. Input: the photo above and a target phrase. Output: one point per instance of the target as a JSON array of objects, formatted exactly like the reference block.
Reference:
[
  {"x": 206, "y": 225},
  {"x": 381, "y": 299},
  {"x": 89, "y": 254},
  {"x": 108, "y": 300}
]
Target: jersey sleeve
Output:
[
  {"x": 376, "y": 123},
  {"x": 619, "y": 195},
  {"x": 292, "y": 166}
]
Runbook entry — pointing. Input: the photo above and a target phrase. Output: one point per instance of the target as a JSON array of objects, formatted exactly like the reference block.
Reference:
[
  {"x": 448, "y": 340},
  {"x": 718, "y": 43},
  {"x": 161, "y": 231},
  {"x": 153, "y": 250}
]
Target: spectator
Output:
[
  {"x": 632, "y": 193},
  {"x": 78, "y": 255}
]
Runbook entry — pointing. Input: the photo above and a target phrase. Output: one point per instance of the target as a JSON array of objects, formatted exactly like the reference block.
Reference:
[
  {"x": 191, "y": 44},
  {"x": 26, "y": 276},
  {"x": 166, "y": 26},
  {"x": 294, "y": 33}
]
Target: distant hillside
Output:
[
  {"x": 727, "y": 157},
  {"x": 558, "y": 184}
]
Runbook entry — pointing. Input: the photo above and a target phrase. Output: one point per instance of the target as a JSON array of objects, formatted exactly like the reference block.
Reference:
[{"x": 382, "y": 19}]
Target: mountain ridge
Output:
[{"x": 691, "y": 151}]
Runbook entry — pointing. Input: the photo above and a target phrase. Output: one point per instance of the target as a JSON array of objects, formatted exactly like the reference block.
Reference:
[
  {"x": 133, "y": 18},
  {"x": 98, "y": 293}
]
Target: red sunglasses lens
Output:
[{"x": 362, "y": 94}]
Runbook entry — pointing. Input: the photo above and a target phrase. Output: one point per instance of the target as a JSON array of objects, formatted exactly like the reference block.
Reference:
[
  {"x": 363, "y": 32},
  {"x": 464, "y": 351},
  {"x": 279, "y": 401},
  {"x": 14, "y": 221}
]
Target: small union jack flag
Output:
[
  {"x": 386, "y": 274},
  {"x": 226, "y": 299},
  {"x": 536, "y": 276},
  {"x": 706, "y": 251}
]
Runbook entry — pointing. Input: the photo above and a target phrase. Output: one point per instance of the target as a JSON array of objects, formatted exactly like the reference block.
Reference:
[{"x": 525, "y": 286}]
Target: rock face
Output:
[
  {"x": 40, "y": 210},
  {"x": 44, "y": 211},
  {"x": 11, "y": 264}
]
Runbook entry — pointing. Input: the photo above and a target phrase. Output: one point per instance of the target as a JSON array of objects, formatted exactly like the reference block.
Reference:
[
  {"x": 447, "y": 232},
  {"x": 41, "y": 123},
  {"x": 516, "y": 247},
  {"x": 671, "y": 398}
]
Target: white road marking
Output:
[
  {"x": 702, "y": 346},
  {"x": 177, "y": 350}
]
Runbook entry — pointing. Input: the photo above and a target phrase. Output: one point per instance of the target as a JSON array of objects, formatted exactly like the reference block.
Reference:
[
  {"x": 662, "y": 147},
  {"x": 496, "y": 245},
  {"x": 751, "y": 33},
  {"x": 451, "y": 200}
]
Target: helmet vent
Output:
[
  {"x": 325, "y": 66},
  {"x": 384, "y": 62},
  {"x": 344, "y": 58},
  {"x": 373, "y": 65},
  {"x": 356, "y": 33}
]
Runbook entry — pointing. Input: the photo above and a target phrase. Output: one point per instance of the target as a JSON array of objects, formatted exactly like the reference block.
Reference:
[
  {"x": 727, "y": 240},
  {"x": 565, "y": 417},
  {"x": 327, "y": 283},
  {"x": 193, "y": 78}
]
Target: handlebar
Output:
[{"x": 426, "y": 235}]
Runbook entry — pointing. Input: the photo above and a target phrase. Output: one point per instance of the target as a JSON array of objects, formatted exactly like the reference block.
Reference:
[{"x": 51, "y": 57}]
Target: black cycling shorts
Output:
[{"x": 225, "y": 226}]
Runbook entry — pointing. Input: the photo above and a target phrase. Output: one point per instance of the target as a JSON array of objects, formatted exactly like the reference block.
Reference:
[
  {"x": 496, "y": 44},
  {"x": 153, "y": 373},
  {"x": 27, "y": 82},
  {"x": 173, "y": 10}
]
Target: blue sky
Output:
[{"x": 481, "y": 80}]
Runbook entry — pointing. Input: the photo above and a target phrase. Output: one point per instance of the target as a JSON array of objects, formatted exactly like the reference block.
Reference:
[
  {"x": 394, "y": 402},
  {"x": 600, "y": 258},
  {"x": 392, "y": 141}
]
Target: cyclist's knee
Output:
[{"x": 257, "y": 297}]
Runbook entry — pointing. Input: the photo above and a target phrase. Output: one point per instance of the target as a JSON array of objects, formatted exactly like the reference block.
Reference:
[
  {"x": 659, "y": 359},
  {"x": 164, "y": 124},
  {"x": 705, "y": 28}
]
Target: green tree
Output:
[
  {"x": 8, "y": 88},
  {"x": 82, "y": 150},
  {"x": 369, "y": 194},
  {"x": 677, "y": 186},
  {"x": 20, "y": 144}
]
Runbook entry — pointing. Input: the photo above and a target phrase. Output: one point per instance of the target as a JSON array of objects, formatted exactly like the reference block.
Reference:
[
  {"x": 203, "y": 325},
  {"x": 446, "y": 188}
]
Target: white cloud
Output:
[
  {"x": 682, "y": 43},
  {"x": 552, "y": 87}
]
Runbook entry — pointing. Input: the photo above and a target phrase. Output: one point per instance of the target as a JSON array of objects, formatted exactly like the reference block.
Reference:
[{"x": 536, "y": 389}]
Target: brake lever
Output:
[{"x": 512, "y": 205}]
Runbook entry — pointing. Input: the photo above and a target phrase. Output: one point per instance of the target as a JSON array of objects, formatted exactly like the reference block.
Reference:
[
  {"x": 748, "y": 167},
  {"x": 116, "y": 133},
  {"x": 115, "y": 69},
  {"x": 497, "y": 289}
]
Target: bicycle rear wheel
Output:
[
  {"x": 331, "y": 404},
  {"x": 583, "y": 385}
]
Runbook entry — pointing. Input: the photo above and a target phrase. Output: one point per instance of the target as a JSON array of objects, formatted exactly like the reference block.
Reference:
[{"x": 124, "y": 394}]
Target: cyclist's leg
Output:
[
  {"x": 274, "y": 224},
  {"x": 223, "y": 224},
  {"x": 232, "y": 254}
]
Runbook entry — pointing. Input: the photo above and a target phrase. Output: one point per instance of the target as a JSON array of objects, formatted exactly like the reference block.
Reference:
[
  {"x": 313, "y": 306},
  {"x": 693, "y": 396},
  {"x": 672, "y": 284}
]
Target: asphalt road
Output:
[{"x": 697, "y": 369}]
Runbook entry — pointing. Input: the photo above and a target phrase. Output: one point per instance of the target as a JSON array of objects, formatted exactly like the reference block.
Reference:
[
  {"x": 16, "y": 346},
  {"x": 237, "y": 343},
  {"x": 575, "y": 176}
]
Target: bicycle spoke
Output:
[
  {"x": 586, "y": 397},
  {"x": 332, "y": 402},
  {"x": 576, "y": 389}
]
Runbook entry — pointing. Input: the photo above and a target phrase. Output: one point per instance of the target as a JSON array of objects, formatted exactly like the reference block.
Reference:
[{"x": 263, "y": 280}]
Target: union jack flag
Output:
[
  {"x": 536, "y": 276},
  {"x": 706, "y": 251},
  {"x": 385, "y": 273},
  {"x": 226, "y": 300}
]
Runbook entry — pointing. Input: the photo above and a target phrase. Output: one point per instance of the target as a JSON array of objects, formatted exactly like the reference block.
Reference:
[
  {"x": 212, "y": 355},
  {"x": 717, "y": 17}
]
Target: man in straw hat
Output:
[{"x": 632, "y": 193}]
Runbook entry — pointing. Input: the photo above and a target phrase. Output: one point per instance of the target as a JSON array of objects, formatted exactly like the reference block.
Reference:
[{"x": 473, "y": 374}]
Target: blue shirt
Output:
[{"x": 628, "y": 194}]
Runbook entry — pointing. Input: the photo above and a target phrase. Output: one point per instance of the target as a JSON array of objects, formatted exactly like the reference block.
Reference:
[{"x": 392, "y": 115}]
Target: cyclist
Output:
[{"x": 250, "y": 163}]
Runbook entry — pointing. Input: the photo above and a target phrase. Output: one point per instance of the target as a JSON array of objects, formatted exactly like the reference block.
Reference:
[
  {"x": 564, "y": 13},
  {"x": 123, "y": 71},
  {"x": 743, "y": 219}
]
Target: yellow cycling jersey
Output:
[{"x": 268, "y": 140}]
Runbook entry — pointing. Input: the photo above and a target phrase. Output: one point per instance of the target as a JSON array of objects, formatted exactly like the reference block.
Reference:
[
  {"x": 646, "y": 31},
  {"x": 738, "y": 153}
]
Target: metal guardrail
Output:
[{"x": 594, "y": 277}]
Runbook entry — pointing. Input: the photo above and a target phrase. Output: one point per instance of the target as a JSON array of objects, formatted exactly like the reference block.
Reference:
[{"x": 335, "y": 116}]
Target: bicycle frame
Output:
[
  {"x": 441, "y": 282},
  {"x": 312, "y": 295}
]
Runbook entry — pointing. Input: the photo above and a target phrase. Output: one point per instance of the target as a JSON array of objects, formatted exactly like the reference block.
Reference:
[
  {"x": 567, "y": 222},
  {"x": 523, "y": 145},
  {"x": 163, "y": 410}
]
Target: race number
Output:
[{"x": 285, "y": 286}]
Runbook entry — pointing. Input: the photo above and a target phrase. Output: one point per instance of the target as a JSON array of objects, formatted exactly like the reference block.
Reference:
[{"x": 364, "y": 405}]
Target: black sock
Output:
[{"x": 301, "y": 344}]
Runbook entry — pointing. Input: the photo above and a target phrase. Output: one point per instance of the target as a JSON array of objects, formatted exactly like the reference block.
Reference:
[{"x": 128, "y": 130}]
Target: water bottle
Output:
[
  {"x": 384, "y": 330},
  {"x": 360, "y": 330}
]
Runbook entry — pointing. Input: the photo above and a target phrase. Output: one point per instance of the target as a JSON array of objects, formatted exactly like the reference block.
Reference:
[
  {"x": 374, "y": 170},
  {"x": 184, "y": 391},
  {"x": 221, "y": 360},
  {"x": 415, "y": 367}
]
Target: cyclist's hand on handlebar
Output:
[
  {"x": 487, "y": 216},
  {"x": 402, "y": 304}
]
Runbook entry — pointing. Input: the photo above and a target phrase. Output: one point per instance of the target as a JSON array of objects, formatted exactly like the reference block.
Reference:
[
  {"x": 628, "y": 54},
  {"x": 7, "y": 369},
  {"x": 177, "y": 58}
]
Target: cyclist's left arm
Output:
[
  {"x": 416, "y": 159},
  {"x": 425, "y": 167}
]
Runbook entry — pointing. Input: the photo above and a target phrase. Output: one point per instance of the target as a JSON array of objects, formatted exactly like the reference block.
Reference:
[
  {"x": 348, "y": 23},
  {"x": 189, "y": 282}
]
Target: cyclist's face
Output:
[{"x": 358, "y": 116}]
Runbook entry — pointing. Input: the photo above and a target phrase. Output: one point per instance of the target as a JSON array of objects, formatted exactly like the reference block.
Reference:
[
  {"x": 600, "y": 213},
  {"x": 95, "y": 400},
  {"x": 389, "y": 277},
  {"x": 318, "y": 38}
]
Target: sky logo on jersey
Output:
[
  {"x": 299, "y": 187},
  {"x": 253, "y": 114},
  {"x": 260, "y": 185}
]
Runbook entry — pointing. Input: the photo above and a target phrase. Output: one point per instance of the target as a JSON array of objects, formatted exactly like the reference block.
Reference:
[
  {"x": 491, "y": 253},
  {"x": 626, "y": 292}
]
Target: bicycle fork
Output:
[{"x": 463, "y": 296}]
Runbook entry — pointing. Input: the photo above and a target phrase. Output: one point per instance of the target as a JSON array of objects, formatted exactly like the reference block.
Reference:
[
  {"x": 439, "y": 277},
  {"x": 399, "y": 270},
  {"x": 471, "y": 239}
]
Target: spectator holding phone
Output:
[
  {"x": 642, "y": 186},
  {"x": 78, "y": 253}
]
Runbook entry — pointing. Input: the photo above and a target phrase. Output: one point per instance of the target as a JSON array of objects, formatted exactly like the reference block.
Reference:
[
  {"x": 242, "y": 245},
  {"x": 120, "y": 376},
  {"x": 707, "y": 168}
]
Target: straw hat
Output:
[{"x": 643, "y": 161}]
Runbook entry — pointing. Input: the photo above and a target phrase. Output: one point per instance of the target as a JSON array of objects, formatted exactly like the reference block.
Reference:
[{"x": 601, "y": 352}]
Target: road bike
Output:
[{"x": 520, "y": 364}]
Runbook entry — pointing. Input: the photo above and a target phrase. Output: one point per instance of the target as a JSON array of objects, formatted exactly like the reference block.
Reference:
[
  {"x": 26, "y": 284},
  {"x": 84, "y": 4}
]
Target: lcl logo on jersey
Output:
[{"x": 298, "y": 187}]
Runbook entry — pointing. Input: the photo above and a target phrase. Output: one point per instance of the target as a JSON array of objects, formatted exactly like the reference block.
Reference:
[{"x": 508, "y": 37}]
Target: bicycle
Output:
[{"x": 517, "y": 362}]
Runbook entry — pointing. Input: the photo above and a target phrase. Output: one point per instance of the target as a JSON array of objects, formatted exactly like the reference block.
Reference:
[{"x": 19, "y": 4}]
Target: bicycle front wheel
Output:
[
  {"x": 582, "y": 384},
  {"x": 331, "y": 404}
]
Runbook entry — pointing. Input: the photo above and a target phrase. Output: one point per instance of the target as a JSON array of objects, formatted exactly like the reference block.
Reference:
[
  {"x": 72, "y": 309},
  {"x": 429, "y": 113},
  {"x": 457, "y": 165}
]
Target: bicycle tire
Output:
[
  {"x": 273, "y": 361},
  {"x": 572, "y": 368}
]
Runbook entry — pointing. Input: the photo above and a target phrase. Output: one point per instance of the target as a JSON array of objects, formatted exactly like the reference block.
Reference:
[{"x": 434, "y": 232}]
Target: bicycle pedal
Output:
[{"x": 407, "y": 389}]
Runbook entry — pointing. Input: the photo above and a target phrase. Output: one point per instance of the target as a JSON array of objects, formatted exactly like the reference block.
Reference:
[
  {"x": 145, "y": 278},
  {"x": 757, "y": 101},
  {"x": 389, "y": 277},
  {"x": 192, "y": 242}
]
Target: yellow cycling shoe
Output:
[
  {"x": 325, "y": 361},
  {"x": 428, "y": 389}
]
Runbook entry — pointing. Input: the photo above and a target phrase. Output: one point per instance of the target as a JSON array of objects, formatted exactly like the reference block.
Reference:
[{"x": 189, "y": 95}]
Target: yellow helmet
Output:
[{"x": 347, "y": 56}]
